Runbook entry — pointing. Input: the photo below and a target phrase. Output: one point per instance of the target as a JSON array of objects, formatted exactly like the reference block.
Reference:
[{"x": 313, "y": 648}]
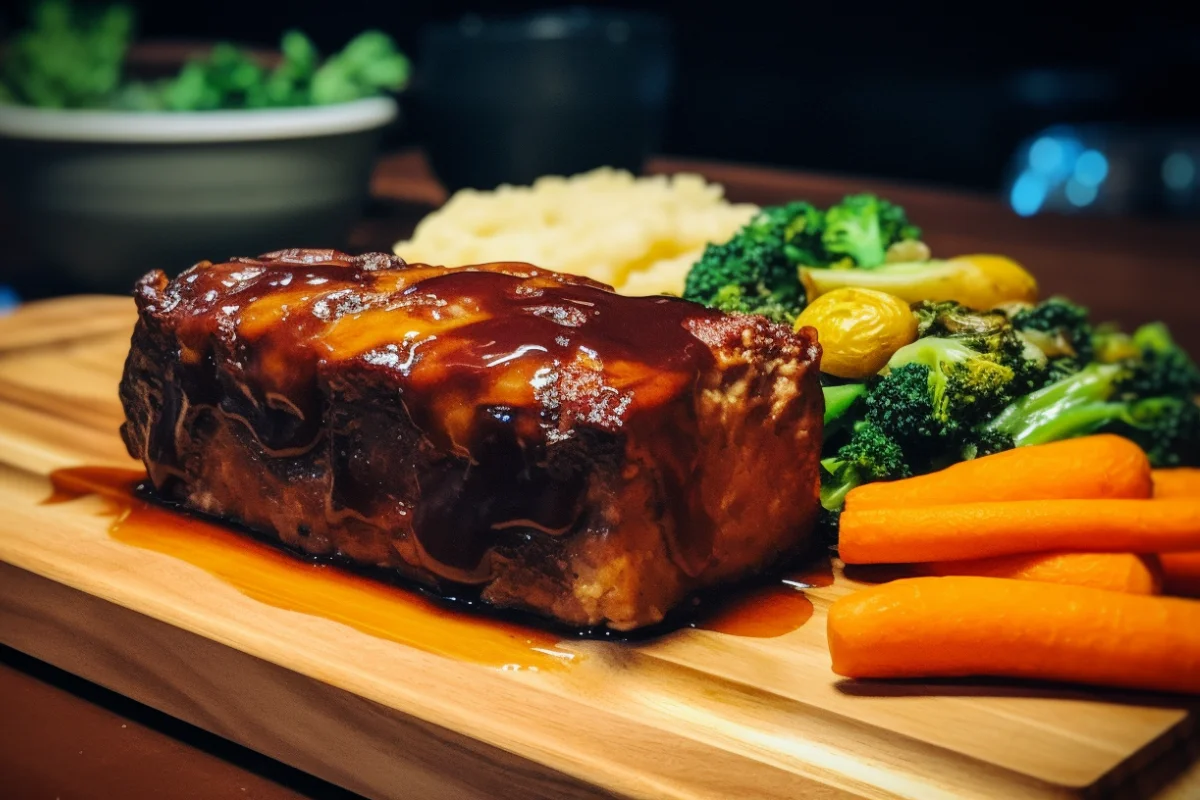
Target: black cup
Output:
[{"x": 508, "y": 99}]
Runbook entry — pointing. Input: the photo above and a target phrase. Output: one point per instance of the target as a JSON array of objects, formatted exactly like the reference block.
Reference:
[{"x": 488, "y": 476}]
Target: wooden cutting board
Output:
[{"x": 374, "y": 690}]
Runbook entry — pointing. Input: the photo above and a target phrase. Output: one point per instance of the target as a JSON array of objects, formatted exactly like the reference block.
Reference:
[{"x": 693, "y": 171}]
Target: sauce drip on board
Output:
[
  {"x": 293, "y": 582},
  {"x": 767, "y": 611},
  {"x": 271, "y": 576}
]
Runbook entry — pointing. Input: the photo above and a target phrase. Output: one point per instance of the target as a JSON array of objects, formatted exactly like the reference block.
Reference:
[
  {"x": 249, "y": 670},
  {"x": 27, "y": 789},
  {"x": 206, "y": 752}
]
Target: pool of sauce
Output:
[
  {"x": 774, "y": 607},
  {"x": 295, "y": 583},
  {"x": 769, "y": 607}
]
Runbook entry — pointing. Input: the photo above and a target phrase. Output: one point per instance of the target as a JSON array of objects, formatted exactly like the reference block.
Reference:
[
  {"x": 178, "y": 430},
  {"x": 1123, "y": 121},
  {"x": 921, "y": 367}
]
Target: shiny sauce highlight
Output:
[
  {"x": 773, "y": 609},
  {"x": 495, "y": 365},
  {"x": 279, "y": 579}
]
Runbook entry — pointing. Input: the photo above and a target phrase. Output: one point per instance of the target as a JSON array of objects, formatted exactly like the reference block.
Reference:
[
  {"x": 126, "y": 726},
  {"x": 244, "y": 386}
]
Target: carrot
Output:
[
  {"x": 1178, "y": 482},
  {"x": 972, "y": 626},
  {"x": 1117, "y": 572},
  {"x": 979, "y": 530},
  {"x": 1100, "y": 466},
  {"x": 1181, "y": 573}
]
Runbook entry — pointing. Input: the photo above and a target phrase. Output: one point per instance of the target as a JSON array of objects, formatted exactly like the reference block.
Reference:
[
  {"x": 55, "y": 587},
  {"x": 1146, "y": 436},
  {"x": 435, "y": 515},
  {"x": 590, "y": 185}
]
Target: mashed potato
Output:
[{"x": 640, "y": 235}]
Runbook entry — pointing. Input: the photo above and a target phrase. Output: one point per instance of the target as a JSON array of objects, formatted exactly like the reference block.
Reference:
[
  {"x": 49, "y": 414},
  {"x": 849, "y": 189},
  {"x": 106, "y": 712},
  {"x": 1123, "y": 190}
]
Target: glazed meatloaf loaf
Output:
[{"x": 530, "y": 438}]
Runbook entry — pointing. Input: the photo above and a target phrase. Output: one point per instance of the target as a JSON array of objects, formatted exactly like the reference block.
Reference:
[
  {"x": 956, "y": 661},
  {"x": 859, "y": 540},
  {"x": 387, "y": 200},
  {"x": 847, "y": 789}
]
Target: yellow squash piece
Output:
[
  {"x": 977, "y": 281},
  {"x": 859, "y": 330}
]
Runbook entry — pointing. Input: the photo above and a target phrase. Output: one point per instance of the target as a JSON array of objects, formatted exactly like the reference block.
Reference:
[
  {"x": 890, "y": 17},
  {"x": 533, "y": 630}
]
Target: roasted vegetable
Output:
[
  {"x": 755, "y": 272},
  {"x": 980, "y": 281},
  {"x": 859, "y": 330}
]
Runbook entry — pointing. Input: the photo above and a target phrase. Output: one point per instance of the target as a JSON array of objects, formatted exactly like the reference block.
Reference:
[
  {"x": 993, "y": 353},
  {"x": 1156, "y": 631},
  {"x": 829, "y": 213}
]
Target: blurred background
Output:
[
  {"x": 908, "y": 91},
  {"x": 1052, "y": 108}
]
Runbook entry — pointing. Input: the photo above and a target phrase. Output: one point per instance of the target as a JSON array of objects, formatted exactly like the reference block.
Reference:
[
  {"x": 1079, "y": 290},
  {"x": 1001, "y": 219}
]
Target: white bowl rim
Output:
[{"x": 185, "y": 127}]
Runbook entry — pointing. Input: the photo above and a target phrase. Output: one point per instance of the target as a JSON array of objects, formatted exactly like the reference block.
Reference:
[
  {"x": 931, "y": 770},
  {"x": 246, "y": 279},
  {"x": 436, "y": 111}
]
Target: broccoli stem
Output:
[
  {"x": 837, "y": 484},
  {"x": 839, "y": 399},
  {"x": 1074, "y": 406}
]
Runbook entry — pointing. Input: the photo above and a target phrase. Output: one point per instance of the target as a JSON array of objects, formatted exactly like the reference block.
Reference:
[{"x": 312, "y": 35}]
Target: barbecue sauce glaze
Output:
[{"x": 495, "y": 364}]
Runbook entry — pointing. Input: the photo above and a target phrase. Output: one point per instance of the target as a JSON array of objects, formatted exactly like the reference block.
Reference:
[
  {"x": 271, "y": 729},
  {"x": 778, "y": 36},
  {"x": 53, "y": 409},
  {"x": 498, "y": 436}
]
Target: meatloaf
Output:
[{"x": 529, "y": 438}]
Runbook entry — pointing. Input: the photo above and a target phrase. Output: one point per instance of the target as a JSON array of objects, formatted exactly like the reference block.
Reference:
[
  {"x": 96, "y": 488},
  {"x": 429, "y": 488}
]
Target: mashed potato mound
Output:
[{"x": 639, "y": 235}]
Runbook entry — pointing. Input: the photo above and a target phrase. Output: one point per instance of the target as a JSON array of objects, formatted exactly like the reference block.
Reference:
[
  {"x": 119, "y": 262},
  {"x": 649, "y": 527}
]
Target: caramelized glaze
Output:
[
  {"x": 324, "y": 590},
  {"x": 494, "y": 363}
]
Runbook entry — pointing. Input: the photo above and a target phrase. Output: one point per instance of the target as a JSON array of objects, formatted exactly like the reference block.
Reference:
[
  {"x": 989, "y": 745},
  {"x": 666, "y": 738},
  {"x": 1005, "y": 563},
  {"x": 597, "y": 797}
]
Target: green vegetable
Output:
[
  {"x": 1162, "y": 367},
  {"x": 1060, "y": 328},
  {"x": 861, "y": 228},
  {"x": 870, "y": 455},
  {"x": 839, "y": 400},
  {"x": 370, "y": 63},
  {"x": 1167, "y": 428},
  {"x": 1077, "y": 405},
  {"x": 755, "y": 271},
  {"x": 964, "y": 387},
  {"x": 67, "y": 58},
  {"x": 976, "y": 384},
  {"x": 987, "y": 332},
  {"x": 1148, "y": 396}
]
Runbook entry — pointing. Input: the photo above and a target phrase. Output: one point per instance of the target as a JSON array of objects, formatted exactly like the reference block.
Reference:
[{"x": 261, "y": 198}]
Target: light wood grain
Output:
[{"x": 692, "y": 715}]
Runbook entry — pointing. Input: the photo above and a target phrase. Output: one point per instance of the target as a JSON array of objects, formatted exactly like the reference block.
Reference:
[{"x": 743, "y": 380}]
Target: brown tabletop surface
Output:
[{"x": 61, "y": 737}]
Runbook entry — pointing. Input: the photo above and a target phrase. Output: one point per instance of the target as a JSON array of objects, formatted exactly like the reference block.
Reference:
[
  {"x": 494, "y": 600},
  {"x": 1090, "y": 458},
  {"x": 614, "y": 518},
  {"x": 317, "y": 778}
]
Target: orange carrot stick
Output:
[
  {"x": 980, "y": 530},
  {"x": 1181, "y": 573},
  {"x": 1117, "y": 572},
  {"x": 1178, "y": 482},
  {"x": 971, "y": 626},
  {"x": 1100, "y": 466}
]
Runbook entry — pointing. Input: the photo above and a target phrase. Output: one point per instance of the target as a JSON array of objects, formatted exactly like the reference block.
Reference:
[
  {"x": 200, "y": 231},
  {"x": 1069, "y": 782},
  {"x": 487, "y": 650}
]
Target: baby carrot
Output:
[
  {"x": 1181, "y": 573},
  {"x": 1100, "y": 466},
  {"x": 971, "y": 626},
  {"x": 1178, "y": 482},
  {"x": 979, "y": 530},
  {"x": 1117, "y": 572}
]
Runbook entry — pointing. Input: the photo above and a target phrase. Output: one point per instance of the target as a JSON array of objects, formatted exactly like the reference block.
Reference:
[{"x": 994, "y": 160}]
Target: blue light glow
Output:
[
  {"x": 8, "y": 300},
  {"x": 1028, "y": 193},
  {"x": 1046, "y": 155},
  {"x": 1080, "y": 194},
  {"x": 1178, "y": 171},
  {"x": 1091, "y": 168}
]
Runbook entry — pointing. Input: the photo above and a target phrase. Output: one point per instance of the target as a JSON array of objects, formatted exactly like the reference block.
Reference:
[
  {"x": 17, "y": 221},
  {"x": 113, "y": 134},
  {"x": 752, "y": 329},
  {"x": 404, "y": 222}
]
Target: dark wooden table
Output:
[{"x": 62, "y": 737}]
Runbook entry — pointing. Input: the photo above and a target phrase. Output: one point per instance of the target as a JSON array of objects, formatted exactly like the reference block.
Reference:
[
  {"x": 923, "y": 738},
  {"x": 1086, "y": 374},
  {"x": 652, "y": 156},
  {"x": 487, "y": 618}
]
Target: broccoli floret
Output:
[
  {"x": 862, "y": 228},
  {"x": 965, "y": 385},
  {"x": 870, "y": 455},
  {"x": 981, "y": 441},
  {"x": 1167, "y": 428},
  {"x": 1058, "y": 327},
  {"x": 988, "y": 332},
  {"x": 1162, "y": 367},
  {"x": 899, "y": 404},
  {"x": 755, "y": 271}
]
